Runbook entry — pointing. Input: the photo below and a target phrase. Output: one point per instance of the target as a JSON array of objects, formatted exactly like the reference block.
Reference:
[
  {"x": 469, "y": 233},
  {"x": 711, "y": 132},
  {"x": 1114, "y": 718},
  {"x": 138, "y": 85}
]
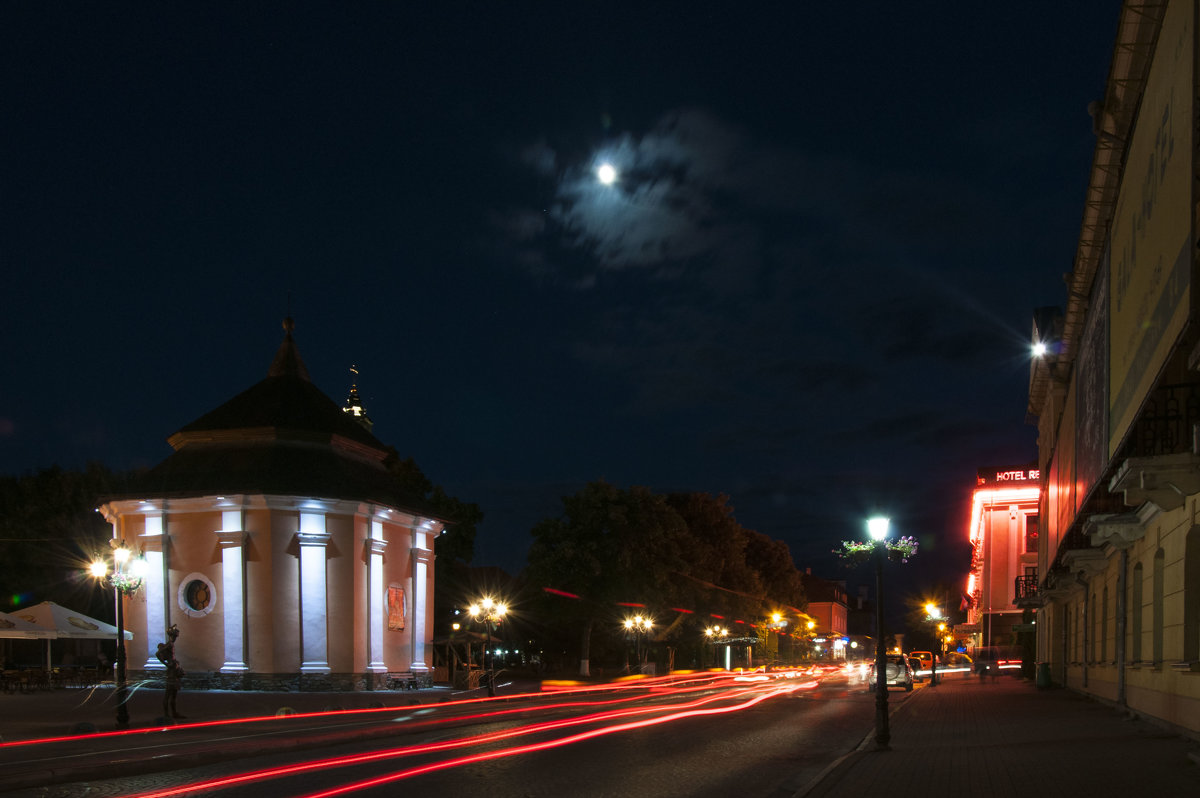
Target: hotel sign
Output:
[{"x": 1008, "y": 476}]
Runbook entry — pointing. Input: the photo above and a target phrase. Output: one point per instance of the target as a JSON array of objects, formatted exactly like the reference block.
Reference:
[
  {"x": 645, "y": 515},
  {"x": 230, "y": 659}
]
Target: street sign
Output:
[{"x": 1024, "y": 627}]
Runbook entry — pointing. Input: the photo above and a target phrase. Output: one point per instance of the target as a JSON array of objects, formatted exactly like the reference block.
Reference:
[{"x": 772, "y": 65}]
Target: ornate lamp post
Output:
[
  {"x": 877, "y": 528},
  {"x": 715, "y": 633},
  {"x": 126, "y": 576},
  {"x": 879, "y": 549},
  {"x": 490, "y": 612},
  {"x": 778, "y": 623},
  {"x": 637, "y": 627},
  {"x": 933, "y": 614}
]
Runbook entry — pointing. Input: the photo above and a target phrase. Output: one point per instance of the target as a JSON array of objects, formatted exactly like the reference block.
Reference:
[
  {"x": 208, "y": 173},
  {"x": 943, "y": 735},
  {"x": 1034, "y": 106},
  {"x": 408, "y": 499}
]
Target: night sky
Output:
[{"x": 810, "y": 288}]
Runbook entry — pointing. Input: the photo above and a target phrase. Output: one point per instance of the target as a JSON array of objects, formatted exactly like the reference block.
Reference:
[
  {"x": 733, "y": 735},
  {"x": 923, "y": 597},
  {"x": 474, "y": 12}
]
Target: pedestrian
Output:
[{"x": 173, "y": 679}]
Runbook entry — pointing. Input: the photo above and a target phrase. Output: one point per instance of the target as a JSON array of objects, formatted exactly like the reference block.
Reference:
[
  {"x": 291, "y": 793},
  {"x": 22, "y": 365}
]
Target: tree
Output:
[
  {"x": 772, "y": 561},
  {"x": 50, "y": 531},
  {"x": 722, "y": 581},
  {"x": 686, "y": 550},
  {"x": 608, "y": 546}
]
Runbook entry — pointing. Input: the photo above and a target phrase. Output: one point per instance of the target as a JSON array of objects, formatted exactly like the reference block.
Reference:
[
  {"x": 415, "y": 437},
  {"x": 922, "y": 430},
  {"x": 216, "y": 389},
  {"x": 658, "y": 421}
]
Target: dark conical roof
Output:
[
  {"x": 280, "y": 436},
  {"x": 287, "y": 362}
]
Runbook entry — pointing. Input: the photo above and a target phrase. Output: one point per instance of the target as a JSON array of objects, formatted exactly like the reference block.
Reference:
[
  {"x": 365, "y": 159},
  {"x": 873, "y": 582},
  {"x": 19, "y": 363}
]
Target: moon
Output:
[{"x": 607, "y": 174}]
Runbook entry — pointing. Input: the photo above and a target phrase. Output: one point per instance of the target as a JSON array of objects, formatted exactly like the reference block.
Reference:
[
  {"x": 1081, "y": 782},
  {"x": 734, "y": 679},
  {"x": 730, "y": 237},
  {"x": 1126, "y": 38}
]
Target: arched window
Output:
[
  {"x": 1157, "y": 620},
  {"x": 1102, "y": 624},
  {"x": 1079, "y": 617},
  {"x": 1068, "y": 643},
  {"x": 1191, "y": 596},
  {"x": 1135, "y": 615},
  {"x": 1092, "y": 627}
]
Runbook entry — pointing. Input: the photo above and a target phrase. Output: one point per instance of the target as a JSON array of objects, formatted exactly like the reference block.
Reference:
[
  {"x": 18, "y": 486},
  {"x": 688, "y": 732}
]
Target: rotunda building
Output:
[{"x": 279, "y": 543}]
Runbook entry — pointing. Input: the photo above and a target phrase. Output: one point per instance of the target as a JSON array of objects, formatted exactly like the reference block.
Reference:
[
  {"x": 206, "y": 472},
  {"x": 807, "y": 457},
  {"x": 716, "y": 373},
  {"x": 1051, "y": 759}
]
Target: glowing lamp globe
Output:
[{"x": 877, "y": 528}]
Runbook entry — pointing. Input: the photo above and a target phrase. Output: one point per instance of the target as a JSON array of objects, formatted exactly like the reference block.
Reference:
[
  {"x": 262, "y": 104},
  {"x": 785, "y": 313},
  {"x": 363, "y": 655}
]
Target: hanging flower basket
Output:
[
  {"x": 902, "y": 549},
  {"x": 855, "y": 552}
]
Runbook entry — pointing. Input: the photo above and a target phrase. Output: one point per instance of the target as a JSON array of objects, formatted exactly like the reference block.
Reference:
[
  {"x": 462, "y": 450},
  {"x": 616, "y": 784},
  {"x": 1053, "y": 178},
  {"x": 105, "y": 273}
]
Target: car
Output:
[
  {"x": 992, "y": 660},
  {"x": 898, "y": 673},
  {"x": 923, "y": 660},
  {"x": 958, "y": 660}
]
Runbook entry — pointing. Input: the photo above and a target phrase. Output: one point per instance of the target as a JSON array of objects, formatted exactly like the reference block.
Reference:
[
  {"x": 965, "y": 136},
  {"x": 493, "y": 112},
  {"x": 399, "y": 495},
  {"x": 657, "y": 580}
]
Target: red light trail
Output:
[{"x": 677, "y": 711}]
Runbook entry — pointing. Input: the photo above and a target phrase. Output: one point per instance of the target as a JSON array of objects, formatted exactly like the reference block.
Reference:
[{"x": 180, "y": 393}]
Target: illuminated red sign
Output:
[{"x": 1007, "y": 476}]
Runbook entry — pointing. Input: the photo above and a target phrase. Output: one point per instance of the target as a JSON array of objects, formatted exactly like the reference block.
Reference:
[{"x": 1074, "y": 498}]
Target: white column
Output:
[
  {"x": 231, "y": 539},
  {"x": 314, "y": 612},
  {"x": 156, "y": 590},
  {"x": 422, "y": 559},
  {"x": 376, "y": 600}
]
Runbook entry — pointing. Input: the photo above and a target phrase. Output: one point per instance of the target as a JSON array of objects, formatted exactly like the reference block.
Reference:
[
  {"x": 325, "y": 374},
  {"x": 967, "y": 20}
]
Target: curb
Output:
[{"x": 847, "y": 760}]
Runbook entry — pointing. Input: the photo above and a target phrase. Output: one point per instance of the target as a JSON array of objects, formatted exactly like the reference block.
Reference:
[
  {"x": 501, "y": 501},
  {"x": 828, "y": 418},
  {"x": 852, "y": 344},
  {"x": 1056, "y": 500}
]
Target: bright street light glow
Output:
[
  {"x": 607, "y": 174},
  {"x": 877, "y": 528}
]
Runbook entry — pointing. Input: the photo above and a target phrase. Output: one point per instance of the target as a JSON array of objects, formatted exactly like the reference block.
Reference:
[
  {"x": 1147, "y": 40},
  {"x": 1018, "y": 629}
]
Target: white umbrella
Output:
[
  {"x": 57, "y": 622},
  {"x": 18, "y": 628},
  {"x": 12, "y": 626},
  {"x": 63, "y": 622}
]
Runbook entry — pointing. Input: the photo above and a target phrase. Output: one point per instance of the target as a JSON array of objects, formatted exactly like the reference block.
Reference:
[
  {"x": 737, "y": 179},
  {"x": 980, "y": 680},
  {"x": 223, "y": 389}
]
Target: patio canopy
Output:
[
  {"x": 13, "y": 627},
  {"x": 61, "y": 622}
]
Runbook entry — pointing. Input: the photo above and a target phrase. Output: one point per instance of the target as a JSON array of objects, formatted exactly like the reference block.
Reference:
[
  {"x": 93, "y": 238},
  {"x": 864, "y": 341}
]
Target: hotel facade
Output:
[{"x": 1115, "y": 390}]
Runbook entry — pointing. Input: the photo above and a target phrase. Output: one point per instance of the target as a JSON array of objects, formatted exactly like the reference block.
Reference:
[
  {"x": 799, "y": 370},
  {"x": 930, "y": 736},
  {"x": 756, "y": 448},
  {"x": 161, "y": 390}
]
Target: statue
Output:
[{"x": 174, "y": 676}]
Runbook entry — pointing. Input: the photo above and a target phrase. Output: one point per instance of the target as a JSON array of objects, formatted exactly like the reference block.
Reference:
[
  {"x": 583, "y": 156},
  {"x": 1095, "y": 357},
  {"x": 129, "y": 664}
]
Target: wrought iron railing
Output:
[
  {"x": 1165, "y": 424},
  {"x": 1025, "y": 589}
]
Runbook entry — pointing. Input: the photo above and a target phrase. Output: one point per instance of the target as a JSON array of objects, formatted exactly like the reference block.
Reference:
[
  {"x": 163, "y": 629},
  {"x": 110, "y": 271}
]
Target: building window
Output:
[
  {"x": 1191, "y": 596},
  {"x": 197, "y": 595},
  {"x": 1135, "y": 615},
  {"x": 1031, "y": 534},
  {"x": 1102, "y": 623},
  {"x": 1157, "y": 610},
  {"x": 1066, "y": 636},
  {"x": 1079, "y": 629},
  {"x": 1091, "y": 643}
]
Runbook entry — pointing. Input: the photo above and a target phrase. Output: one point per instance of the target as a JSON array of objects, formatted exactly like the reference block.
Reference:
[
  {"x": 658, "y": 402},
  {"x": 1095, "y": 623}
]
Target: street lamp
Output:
[
  {"x": 877, "y": 528},
  {"x": 637, "y": 626},
  {"x": 490, "y": 612},
  {"x": 933, "y": 614},
  {"x": 778, "y": 623},
  {"x": 715, "y": 633},
  {"x": 126, "y": 576}
]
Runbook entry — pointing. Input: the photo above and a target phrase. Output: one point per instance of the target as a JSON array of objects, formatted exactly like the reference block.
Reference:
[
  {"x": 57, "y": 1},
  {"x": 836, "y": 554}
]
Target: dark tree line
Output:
[
  {"x": 683, "y": 556},
  {"x": 49, "y": 532}
]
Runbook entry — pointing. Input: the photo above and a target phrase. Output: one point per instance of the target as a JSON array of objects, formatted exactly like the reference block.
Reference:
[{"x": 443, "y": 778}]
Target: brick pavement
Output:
[
  {"x": 965, "y": 737},
  {"x": 60, "y": 712}
]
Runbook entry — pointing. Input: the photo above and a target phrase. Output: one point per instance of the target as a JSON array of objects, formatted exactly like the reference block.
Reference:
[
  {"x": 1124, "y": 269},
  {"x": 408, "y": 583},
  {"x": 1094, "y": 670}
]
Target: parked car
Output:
[
  {"x": 899, "y": 673},
  {"x": 923, "y": 660}
]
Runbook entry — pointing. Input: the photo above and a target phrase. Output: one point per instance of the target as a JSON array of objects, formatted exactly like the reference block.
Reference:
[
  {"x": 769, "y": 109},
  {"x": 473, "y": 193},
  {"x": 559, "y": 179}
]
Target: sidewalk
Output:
[
  {"x": 67, "y": 711},
  {"x": 1008, "y": 738}
]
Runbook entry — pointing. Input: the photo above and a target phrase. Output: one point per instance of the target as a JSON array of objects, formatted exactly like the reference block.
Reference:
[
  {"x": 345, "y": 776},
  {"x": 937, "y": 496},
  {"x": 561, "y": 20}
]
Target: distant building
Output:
[
  {"x": 281, "y": 546},
  {"x": 1115, "y": 389},
  {"x": 1003, "y": 532},
  {"x": 828, "y": 608}
]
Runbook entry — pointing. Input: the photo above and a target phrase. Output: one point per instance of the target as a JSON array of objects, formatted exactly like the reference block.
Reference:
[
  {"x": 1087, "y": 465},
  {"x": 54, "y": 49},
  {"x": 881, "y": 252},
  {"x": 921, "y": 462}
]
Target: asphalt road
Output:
[{"x": 770, "y": 746}]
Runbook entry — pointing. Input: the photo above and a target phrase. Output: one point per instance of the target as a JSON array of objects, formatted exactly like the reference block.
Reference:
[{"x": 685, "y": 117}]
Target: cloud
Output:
[{"x": 728, "y": 270}]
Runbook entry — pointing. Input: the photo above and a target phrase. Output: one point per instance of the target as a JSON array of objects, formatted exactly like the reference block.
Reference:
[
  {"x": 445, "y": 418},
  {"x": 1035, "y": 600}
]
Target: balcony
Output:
[
  {"x": 1025, "y": 592},
  {"x": 1166, "y": 422}
]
